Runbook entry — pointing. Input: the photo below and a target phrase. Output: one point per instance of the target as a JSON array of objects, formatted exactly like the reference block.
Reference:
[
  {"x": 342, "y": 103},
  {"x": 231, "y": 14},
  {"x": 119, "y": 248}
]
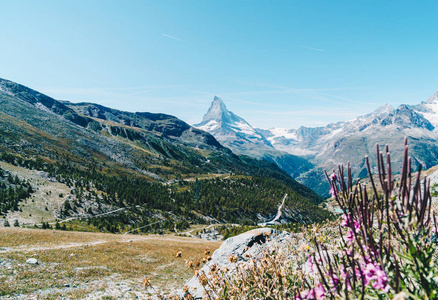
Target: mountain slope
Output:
[
  {"x": 235, "y": 133},
  {"x": 143, "y": 167}
]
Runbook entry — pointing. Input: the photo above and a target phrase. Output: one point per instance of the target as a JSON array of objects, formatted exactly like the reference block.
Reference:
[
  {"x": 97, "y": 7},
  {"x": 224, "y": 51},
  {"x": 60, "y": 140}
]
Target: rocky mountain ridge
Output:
[
  {"x": 350, "y": 141},
  {"x": 338, "y": 143}
]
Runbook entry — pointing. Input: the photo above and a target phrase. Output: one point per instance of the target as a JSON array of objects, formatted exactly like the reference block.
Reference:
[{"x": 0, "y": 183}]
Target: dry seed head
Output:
[
  {"x": 233, "y": 258},
  {"x": 189, "y": 264},
  {"x": 203, "y": 280},
  {"x": 146, "y": 282},
  {"x": 213, "y": 268}
]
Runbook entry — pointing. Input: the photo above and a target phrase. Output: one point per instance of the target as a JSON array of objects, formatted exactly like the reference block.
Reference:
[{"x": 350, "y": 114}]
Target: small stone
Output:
[{"x": 32, "y": 261}]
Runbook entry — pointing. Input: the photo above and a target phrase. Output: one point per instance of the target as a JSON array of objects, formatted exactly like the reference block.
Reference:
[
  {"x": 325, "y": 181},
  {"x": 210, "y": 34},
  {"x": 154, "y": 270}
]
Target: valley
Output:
[{"x": 94, "y": 168}]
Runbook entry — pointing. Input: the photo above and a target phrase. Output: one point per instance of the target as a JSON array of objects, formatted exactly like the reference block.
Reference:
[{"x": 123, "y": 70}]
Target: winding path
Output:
[{"x": 278, "y": 215}]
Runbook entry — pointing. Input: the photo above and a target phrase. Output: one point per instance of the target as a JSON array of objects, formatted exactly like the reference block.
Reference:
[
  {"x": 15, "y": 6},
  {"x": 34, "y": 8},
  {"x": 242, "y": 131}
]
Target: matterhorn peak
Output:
[
  {"x": 218, "y": 105},
  {"x": 218, "y": 112},
  {"x": 229, "y": 128}
]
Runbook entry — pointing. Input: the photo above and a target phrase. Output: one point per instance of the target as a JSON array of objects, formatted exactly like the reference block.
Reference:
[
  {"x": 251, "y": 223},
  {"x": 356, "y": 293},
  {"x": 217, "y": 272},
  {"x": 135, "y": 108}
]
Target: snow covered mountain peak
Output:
[
  {"x": 218, "y": 112},
  {"x": 237, "y": 134},
  {"x": 229, "y": 128},
  {"x": 383, "y": 110},
  {"x": 429, "y": 109},
  {"x": 433, "y": 99}
]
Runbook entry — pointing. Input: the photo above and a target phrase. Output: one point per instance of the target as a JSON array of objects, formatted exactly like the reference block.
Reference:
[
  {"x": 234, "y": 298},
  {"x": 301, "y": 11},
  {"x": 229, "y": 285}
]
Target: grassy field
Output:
[{"x": 98, "y": 265}]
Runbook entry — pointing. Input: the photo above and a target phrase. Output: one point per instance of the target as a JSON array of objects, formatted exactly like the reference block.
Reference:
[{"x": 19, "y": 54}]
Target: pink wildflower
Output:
[
  {"x": 350, "y": 236},
  {"x": 356, "y": 226},
  {"x": 334, "y": 280},
  {"x": 333, "y": 176},
  {"x": 345, "y": 277},
  {"x": 332, "y": 192},
  {"x": 345, "y": 220},
  {"x": 318, "y": 292},
  {"x": 377, "y": 276},
  {"x": 310, "y": 264}
]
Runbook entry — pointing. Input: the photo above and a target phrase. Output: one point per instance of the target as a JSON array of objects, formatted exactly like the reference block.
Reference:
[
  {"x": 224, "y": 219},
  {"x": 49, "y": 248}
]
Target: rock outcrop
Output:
[{"x": 251, "y": 243}]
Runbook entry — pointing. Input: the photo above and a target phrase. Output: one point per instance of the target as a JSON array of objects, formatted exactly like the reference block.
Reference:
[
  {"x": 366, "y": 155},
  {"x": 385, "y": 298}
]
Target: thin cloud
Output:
[
  {"x": 126, "y": 91},
  {"x": 314, "y": 49},
  {"x": 138, "y": 93},
  {"x": 172, "y": 37}
]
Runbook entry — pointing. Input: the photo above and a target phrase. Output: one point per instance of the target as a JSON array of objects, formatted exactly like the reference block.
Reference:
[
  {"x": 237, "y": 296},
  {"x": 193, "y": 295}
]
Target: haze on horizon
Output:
[{"x": 282, "y": 64}]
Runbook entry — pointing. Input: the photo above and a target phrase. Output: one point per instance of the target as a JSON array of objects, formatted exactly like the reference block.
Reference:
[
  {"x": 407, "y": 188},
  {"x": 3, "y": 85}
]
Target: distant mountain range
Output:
[
  {"x": 326, "y": 147},
  {"x": 145, "y": 166},
  {"x": 163, "y": 148}
]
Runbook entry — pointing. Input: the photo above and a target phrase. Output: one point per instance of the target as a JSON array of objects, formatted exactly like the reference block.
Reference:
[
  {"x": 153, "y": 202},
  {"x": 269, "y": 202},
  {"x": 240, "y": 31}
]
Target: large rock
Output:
[{"x": 251, "y": 242}]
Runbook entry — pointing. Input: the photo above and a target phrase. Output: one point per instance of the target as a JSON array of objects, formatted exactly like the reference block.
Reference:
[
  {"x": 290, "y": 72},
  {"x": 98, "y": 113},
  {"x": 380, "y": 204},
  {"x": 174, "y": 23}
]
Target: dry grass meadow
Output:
[{"x": 76, "y": 265}]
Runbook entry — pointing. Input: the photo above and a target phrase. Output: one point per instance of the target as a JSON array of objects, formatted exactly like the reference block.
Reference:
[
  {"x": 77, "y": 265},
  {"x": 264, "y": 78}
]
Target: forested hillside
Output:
[{"x": 126, "y": 170}]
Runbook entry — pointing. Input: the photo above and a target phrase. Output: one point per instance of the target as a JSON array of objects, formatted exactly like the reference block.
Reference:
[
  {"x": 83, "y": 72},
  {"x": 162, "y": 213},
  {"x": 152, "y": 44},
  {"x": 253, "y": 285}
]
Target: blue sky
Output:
[{"x": 274, "y": 63}]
